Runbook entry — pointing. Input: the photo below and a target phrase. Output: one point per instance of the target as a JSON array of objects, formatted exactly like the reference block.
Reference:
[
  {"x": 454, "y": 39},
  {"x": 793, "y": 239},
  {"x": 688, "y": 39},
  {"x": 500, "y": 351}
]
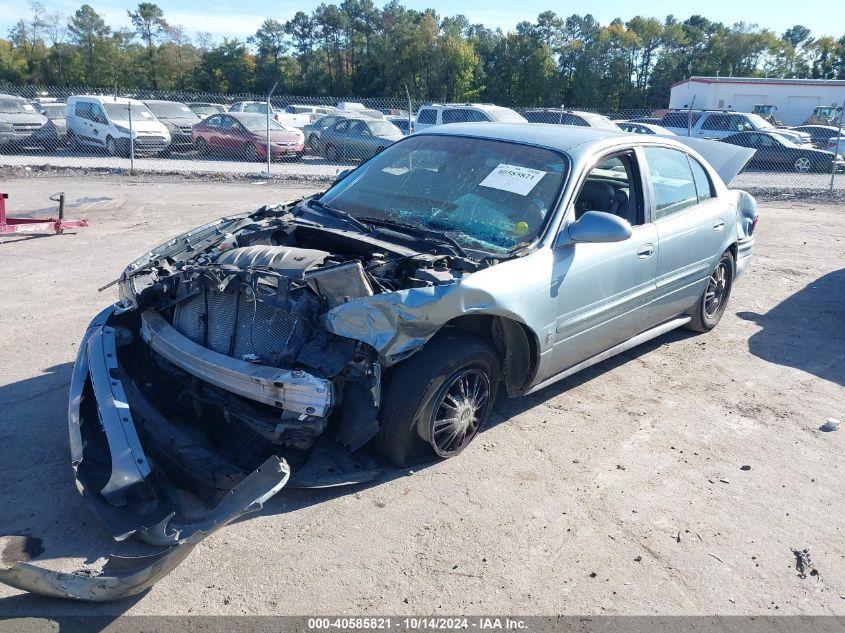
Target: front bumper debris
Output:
[
  {"x": 122, "y": 577},
  {"x": 295, "y": 391},
  {"x": 116, "y": 481}
]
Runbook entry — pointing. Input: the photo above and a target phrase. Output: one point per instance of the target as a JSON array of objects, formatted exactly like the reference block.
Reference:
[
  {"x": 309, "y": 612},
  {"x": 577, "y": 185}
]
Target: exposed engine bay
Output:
[{"x": 221, "y": 340}]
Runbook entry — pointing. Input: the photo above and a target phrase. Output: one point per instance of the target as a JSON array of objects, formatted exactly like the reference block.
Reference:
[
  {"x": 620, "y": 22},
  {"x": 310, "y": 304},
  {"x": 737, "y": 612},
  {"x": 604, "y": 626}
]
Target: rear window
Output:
[{"x": 680, "y": 119}]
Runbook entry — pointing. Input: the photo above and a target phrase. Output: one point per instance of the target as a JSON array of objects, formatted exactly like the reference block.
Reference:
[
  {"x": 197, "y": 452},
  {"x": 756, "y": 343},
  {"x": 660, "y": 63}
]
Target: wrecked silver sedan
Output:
[{"x": 377, "y": 321}]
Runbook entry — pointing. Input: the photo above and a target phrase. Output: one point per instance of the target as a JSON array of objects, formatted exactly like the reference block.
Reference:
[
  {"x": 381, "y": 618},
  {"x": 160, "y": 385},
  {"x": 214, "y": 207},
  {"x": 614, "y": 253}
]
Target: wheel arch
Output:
[{"x": 516, "y": 344}]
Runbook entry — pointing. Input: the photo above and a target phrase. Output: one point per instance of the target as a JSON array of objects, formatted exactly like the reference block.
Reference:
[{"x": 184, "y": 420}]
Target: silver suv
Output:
[
  {"x": 19, "y": 122},
  {"x": 437, "y": 114}
]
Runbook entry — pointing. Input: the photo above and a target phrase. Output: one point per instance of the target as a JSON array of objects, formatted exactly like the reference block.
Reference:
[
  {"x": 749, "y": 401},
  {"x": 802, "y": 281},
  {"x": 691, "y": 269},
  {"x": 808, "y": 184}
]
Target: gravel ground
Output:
[{"x": 617, "y": 491}]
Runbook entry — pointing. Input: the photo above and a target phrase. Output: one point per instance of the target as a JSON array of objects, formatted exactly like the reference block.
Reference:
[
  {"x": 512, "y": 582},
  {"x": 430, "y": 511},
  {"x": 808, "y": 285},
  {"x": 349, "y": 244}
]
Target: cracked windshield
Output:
[{"x": 488, "y": 195}]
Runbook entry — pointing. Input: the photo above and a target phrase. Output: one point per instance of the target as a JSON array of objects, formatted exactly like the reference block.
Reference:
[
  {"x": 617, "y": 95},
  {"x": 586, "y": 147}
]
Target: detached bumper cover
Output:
[{"x": 121, "y": 577}]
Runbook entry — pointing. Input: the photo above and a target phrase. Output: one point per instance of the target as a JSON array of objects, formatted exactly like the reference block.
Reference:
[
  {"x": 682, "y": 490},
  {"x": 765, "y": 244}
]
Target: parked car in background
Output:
[
  {"x": 439, "y": 114},
  {"x": 179, "y": 120},
  {"x": 19, "y": 123},
  {"x": 836, "y": 144},
  {"x": 713, "y": 124},
  {"x": 776, "y": 153},
  {"x": 568, "y": 117},
  {"x": 291, "y": 119},
  {"x": 314, "y": 112},
  {"x": 405, "y": 125},
  {"x": 819, "y": 134},
  {"x": 313, "y": 130},
  {"x": 54, "y": 133},
  {"x": 652, "y": 120},
  {"x": 636, "y": 127},
  {"x": 799, "y": 138},
  {"x": 103, "y": 123},
  {"x": 243, "y": 136},
  {"x": 203, "y": 109},
  {"x": 357, "y": 138}
]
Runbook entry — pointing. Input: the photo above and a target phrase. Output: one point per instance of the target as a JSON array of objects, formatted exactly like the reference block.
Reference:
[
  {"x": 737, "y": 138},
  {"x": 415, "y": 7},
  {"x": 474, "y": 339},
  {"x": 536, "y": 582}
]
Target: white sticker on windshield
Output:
[{"x": 513, "y": 178}]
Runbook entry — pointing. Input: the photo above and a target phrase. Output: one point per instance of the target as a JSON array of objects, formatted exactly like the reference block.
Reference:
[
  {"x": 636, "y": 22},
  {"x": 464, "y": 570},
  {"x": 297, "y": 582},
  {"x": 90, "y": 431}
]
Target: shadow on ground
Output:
[
  {"x": 806, "y": 330},
  {"x": 38, "y": 498}
]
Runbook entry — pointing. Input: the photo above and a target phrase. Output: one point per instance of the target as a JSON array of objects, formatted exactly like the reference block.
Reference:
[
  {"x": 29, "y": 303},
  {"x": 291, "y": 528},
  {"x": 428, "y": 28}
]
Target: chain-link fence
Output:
[{"x": 315, "y": 137}]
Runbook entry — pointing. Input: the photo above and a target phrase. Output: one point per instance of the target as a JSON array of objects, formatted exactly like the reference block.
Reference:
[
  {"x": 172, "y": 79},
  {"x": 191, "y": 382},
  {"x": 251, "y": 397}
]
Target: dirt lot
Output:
[{"x": 618, "y": 490}]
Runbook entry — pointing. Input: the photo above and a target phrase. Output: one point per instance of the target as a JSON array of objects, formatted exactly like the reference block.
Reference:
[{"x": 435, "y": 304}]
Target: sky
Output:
[{"x": 221, "y": 18}]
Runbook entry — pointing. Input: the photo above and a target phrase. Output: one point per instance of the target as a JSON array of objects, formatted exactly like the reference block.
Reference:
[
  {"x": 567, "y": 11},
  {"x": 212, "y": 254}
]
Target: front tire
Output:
[
  {"x": 251, "y": 153},
  {"x": 111, "y": 146},
  {"x": 437, "y": 400},
  {"x": 711, "y": 306}
]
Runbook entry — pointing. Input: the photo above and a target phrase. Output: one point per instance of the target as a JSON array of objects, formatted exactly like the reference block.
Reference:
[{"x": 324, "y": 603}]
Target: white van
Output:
[
  {"x": 103, "y": 123},
  {"x": 438, "y": 114}
]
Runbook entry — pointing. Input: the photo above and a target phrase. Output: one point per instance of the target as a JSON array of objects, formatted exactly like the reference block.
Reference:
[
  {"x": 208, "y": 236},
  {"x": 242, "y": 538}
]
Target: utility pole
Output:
[{"x": 269, "y": 107}]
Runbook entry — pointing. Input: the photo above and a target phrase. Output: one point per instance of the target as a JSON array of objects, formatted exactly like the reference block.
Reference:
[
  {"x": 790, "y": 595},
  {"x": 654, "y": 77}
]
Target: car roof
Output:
[
  {"x": 3, "y": 95},
  {"x": 162, "y": 101},
  {"x": 560, "y": 138}
]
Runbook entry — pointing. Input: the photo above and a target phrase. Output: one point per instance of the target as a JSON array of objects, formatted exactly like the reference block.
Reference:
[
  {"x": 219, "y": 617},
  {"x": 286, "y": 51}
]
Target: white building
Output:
[{"x": 795, "y": 98}]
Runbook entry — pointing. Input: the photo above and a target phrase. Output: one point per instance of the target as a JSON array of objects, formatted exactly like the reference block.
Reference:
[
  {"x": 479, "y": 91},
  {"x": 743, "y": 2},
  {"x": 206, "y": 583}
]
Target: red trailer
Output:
[{"x": 38, "y": 225}]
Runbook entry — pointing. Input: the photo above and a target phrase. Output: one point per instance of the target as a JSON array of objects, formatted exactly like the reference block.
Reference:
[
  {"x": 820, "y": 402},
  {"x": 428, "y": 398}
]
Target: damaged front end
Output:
[{"x": 216, "y": 377}]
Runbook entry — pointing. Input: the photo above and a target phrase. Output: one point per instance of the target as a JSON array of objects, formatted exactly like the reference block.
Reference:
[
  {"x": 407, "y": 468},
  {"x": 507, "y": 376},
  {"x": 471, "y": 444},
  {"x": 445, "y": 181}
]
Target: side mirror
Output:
[{"x": 597, "y": 227}]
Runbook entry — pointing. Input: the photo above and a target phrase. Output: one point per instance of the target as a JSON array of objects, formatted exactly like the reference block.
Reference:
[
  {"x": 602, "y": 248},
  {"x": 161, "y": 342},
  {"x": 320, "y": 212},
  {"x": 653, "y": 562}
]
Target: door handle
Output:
[
  {"x": 718, "y": 225},
  {"x": 645, "y": 251}
]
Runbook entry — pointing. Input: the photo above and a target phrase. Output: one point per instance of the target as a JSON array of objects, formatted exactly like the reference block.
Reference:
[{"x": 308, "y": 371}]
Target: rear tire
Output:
[
  {"x": 711, "y": 306},
  {"x": 111, "y": 146},
  {"x": 437, "y": 400}
]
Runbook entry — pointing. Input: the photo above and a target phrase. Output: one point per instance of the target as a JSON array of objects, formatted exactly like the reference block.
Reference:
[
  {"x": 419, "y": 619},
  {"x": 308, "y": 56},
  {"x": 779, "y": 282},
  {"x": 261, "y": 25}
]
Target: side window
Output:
[
  {"x": 613, "y": 186},
  {"x": 570, "y": 119},
  {"x": 719, "y": 122},
  {"x": 359, "y": 128},
  {"x": 255, "y": 107},
  {"x": 672, "y": 180},
  {"x": 214, "y": 121},
  {"x": 97, "y": 114},
  {"x": 326, "y": 121},
  {"x": 427, "y": 116},
  {"x": 341, "y": 126},
  {"x": 680, "y": 119},
  {"x": 82, "y": 110},
  {"x": 476, "y": 116},
  {"x": 703, "y": 186},
  {"x": 740, "y": 123},
  {"x": 455, "y": 116}
]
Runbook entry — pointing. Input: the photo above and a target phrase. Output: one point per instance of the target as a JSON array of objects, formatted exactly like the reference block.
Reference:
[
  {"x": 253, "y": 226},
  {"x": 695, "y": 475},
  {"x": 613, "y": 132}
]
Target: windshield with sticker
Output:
[{"x": 488, "y": 195}]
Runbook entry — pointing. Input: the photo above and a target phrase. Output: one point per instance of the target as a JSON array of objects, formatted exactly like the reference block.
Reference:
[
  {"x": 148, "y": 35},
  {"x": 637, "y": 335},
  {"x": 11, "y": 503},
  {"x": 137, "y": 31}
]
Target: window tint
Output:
[
  {"x": 83, "y": 109},
  {"x": 476, "y": 116},
  {"x": 679, "y": 119},
  {"x": 571, "y": 119},
  {"x": 720, "y": 122},
  {"x": 672, "y": 180},
  {"x": 213, "y": 121},
  {"x": 455, "y": 116},
  {"x": 703, "y": 186},
  {"x": 427, "y": 116}
]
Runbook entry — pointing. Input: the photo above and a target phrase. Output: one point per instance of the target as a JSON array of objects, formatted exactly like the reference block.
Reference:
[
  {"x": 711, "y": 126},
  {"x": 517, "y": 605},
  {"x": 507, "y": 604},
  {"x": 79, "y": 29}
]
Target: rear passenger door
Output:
[{"x": 691, "y": 228}]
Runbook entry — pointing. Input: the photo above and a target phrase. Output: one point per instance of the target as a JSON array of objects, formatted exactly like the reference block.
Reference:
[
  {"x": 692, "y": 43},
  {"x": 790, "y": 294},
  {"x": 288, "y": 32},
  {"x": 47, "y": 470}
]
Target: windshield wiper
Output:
[
  {"x": 441, "y": 236},
  {"x": 343, "y": 215}
]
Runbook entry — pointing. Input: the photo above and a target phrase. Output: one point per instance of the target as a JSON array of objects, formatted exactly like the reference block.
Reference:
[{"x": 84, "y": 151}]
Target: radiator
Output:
[{"x": 260, "y": 330}]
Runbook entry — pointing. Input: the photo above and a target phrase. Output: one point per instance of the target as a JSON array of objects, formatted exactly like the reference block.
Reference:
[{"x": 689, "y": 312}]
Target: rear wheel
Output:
[
  {"x": 111, "y": 146},
  {"x": 250, "y": 153},
  {"x": 711, "y": 306},
  {"x": 437, "y": 400},
  {"x": 202, "y": 146}
]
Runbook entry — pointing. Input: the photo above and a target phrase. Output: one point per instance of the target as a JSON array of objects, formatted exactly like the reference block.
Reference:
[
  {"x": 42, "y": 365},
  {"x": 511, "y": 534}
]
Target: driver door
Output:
[{"x": 603, "y": 290}]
